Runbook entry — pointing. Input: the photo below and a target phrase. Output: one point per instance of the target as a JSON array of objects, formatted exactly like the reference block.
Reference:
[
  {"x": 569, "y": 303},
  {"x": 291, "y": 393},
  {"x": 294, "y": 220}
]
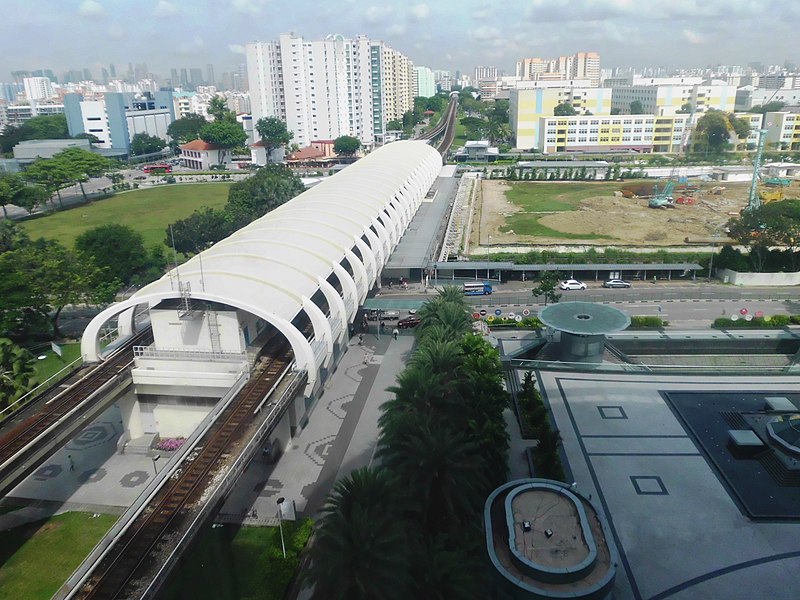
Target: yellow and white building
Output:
[
  {"x": 783, "y": 131},
  {"x": 664, "y": 100}
]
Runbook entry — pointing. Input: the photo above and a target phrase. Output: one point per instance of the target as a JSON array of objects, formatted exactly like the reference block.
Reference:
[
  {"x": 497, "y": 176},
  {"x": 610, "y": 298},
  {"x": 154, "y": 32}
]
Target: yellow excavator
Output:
[{"x": 773, "y": 189}]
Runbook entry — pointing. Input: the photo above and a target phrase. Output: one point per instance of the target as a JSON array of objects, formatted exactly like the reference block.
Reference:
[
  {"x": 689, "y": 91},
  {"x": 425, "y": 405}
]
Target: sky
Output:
[{"x": 445, "y": 34}]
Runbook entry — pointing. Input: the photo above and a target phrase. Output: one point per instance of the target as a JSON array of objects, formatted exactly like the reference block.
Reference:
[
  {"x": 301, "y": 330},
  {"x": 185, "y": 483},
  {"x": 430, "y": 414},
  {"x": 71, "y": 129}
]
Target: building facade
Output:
[
  {"x": 328, "y": 88},
  {"x": 38, "y": 88},
  {"x": 665, "y": 100},
  {"x": 116, "y": 117},
  {"x": 425, "y": 82},
  {"x": 583, "y": 65}
]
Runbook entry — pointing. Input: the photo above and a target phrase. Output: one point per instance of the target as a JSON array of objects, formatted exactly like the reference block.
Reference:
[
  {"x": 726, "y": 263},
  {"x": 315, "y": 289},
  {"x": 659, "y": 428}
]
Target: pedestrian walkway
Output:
[{"x": 341, "y": 435}]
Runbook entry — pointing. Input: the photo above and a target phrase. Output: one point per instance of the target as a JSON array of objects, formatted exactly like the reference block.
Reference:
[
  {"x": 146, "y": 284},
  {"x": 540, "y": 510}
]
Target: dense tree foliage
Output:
[
  {"x": 119, "y": 253},
  {"x": 442, "y": 448},
  {"x": 548, "y": 281},
  {"x": 713, "y": 130},
  {"x": 186, "y": 129},
  {"x": 346, "y": 145},
  {"x": 200, "y": 230},
  {"x": 637, "y": 108},
  {"x": 46, "y": 127},
  {"x": 11, "y": 186},
  {"x": 16, "y": 372},
  {"x": 774, "y": 106},
  {"x": 224, "y": 135},
  {"x": 254, "y": 197},
  {"x": 565, "y": 109},
  {"x": 142, "y": 143},
  {"x": 273, "y": 134},
  {"x": 772, "y": 224}
]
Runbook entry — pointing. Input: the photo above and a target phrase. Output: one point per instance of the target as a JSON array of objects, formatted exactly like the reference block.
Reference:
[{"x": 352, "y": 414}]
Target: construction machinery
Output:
[
  {"x": 772, "y": 189},
  {"x": 663, "y": 198}
]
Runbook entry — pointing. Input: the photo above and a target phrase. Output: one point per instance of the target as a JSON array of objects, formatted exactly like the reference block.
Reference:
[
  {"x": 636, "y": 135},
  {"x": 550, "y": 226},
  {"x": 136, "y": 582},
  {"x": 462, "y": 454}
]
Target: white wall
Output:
[
  {"x": 193, "y": 334},
  {"x": 758, "y": 279}
]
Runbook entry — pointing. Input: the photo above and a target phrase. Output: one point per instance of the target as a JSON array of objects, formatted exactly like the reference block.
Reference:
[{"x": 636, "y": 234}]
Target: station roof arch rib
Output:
[{"x": 279, "y": 260}]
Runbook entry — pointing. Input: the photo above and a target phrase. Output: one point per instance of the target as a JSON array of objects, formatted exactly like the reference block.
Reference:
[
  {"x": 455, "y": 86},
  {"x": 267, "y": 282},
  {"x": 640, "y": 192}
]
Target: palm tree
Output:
[
  {"x": 447, "y": 568},
  {"x": 440, "y": 356},
  {"x": 16, "y": 371},
  {"x": 442, "y": 467},
  {"x": 418, "y": 390},
  {"x": 360, "y": 548},
  {"x": 452, "y": 294},
  {"x": 453, "y": 319}
]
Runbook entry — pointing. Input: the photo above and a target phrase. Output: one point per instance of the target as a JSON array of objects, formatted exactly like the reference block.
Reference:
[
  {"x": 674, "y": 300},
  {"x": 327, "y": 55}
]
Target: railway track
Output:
[
  {"x": 116, "y": 574},
  {"x": 445, "y": 128},
  {"x": 31, "y": 428}
]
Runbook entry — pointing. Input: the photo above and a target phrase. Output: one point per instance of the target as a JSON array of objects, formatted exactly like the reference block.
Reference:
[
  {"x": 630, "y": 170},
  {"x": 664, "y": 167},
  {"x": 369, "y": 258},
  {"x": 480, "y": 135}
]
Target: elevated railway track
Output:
[
  {"x": 28, "y": 442},
  {"x": 128, "y": 566},
  {"x": 445, "y": 130}
]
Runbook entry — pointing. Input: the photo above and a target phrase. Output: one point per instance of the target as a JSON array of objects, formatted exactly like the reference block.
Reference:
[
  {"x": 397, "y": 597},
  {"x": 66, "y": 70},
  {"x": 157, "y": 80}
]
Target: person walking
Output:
[
  {"x": 360, "y": 339},
  {"x": 71, "y": 462},
  {"x": 395, "y": 332}
]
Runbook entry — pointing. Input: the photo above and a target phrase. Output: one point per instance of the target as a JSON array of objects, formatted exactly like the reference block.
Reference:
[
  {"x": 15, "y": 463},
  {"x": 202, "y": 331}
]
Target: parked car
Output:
[
  {"x": 572, "y": 284},
  {"x": 409, "y": 322},
  {"x": 616, "y": 283},
  {"x": 385, "y": 315}
]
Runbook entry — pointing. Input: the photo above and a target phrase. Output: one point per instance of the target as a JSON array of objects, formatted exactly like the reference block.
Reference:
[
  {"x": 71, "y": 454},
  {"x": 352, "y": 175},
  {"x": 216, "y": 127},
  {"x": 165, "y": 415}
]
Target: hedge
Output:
[
  {"x": 648, "y": 322},
  {"x": 527, "y": 323},
  {"x": 773, "y": 322}
]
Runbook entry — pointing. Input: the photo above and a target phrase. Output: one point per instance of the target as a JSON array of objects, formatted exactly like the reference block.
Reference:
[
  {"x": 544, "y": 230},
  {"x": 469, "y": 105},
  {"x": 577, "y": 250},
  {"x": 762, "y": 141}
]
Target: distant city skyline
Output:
[{"x": 64, "y": 35}]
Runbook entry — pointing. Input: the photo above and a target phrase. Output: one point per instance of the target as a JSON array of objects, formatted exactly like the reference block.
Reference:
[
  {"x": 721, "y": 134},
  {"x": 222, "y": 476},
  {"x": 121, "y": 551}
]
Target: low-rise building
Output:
[
  {"x": 477, "y": 151},
  {"x": 28, "y": 151},
  {"x": 202, "y": 156}
]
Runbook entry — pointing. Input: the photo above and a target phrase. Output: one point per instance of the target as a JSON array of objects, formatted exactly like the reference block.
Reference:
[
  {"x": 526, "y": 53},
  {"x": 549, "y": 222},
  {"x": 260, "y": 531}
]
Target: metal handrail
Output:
[
  {"x": 176, "y": 354},
  {"x": 10, "y": 407}
]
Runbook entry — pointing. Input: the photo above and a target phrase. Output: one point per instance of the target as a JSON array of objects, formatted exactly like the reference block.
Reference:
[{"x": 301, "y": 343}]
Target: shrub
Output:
[
  {"x": 642, "y": 322},
  {"x": 774, "y": 322},
  {"x": 170, "y": 444}
]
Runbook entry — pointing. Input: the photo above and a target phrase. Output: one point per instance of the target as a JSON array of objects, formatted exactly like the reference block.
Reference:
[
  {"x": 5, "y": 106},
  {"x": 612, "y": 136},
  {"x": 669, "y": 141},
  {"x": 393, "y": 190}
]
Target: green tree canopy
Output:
[
  {"x": 142, "y": 143},
  {"x": 45, "y": 127},
  {"x": 273, "y": 134},
  {"x": 394, "y": 125},
  {"x": 225, "y": 135},
  {"x": 346, "y": 145},
  {"x": 548, "y": 281},
  {"x": 117, "y": 250},
  {"x": 565, "y": 109},
  {"x": 218, "y": 108},
  {"x": 186, "y": 129},
  {"x": 11, "y": 186},
  {"x": 16, "y": 372},
  {"x": 93, "y": 139},
  {"x": 685, "y": 109},
  {"x": 32, "y": 196},
  {"x": 200, "y": 230},
  {"x": 637, "y": 108},
  {"x": 254, "y": 197},
  {"x": 774, "y": 106},
  {"x": 53, "y": 175},
  {"x": 712, "y": 129},
  {"x": 81, "y": 165}
]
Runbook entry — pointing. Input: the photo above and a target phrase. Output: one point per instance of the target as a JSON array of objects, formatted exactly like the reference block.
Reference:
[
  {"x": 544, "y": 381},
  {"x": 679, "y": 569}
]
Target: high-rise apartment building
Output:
[
  {"x": 327, "y": 88},
  {"x": 486, "y": 73},
  {"x": 38, "y": 88},
  {"x": 425, "y": 82},
  {"x": 583, "y": 65}
]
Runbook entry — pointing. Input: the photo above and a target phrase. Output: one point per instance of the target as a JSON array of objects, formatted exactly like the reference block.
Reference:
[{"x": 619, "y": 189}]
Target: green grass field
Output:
[
  {"x": 227, "y": 564},
  {"x": 52, "y": 363},
  {"x": 146, "y": 211},
  {"x": 540, "y": 198},
  {"x": 36, "y": 559}
]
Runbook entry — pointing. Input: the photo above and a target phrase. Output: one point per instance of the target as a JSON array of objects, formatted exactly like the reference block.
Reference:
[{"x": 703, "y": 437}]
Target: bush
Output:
[
  {"x": 773, "y": 322},
  {"x": 642, "y": 322},
  {"x": 170, "y": 444}
]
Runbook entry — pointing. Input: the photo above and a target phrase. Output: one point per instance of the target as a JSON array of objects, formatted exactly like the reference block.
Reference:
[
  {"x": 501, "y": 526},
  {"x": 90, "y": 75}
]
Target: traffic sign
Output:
[
  {"x": 518, "y": 318},
  {"x": 526, "y": 312},
  {"x": 476, "y": 316},
  {"x": 483, "y": 312},
  {"x": 511, "y": 315},
  {"x": 490, "y": 318},
  {"x": 498, "y": 312}
]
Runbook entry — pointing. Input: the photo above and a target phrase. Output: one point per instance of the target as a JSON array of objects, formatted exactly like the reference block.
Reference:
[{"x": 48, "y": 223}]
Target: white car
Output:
[{"x": 572, "y": 284}]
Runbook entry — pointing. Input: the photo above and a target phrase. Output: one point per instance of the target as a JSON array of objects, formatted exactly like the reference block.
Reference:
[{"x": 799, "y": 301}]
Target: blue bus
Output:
[{"x": 477, "y": 288}]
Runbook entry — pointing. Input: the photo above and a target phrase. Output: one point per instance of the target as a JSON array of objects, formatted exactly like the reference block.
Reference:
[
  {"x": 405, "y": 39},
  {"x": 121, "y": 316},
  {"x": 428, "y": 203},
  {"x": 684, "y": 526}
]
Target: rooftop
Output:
[
  {"x": 584, "y": 318},
  {"x": 198, "y": 145}
]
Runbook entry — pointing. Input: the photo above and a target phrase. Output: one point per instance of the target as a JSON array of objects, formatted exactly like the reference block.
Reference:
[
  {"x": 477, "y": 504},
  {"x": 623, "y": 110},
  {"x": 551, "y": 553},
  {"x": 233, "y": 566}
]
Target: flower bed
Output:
[{"x": 170, "y": 444}]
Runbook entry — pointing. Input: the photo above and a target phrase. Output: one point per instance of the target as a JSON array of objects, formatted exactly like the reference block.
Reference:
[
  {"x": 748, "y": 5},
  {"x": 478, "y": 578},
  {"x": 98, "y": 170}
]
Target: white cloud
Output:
[
  {"x": 377, "y": 14},
  {"x": 236, "y": 48},
  {"x": 692, "y": 36},
  {"x": 485, "y": 33},
  {"x": 192, "y": 47},
  {"x": 165, "y": 9},
  {"x": 419, "y": 12},
  {"x": 396, "y": 29},
  {"x": 249, "y": 7},
  {"x": 91, "y": 8}
]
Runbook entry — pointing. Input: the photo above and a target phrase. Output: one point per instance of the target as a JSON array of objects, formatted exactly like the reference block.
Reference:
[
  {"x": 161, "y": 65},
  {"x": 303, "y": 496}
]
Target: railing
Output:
[
  {"x": 32, "y": 393},
  {"x": 318, "y": 347},
  {"x": 642, "y": 369},
  {"x": 195, "y": 355}
]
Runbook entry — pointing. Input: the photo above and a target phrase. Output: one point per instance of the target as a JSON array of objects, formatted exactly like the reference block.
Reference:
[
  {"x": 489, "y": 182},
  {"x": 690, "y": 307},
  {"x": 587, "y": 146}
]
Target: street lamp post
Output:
[
  {"x": 155, "y": 459},
  {"x": 280, "y": 523},
  {"x": 487, "y": 256}
]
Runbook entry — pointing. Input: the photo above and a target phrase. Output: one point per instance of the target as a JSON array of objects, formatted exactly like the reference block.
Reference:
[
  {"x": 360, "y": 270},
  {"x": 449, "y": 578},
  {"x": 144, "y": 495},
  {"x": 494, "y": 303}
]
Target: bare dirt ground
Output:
[{"x": 627, "y": 221}]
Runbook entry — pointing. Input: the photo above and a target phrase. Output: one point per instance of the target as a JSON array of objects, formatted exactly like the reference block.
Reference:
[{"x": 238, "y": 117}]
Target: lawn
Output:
[
  {"x": 52, "y": 363},
  {"x": 540, "y": 198},
  {"x": 146, "y": 211},
  {"x": 36, "y": 559},
  {"x": 227, "y": 563}
]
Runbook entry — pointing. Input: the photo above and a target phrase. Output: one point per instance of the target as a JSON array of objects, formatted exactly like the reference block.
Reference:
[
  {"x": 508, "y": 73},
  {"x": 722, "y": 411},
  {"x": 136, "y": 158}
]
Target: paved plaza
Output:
[{"x": 679, "y": 532}]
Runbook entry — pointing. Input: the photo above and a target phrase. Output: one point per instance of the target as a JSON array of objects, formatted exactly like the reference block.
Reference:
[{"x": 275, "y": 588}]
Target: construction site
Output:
[{"x": 641, "y": 213}]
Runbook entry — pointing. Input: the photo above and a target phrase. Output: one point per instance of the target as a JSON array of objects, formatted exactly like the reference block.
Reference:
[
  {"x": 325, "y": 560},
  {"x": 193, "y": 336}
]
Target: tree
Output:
[
  {"x": 32, "y": 196},
  {"x": 685, "y": 109},
  {"x": 774, "y": 106},
  {"x": 115, "y": 249},
  {"x": 224, "y": 134},
  {"x": 637, "y": 108},
  {"x": 548, "y": 281},
  {"x": 200, "y": 230},
  {"x": 273, "y": 134},
  {"x": 616, "y": 111},
  {"x": 750, "y": 230},
  {"x": 346, "y": 145},
  {"x": 53, "y": 175},
  {"x": 252, "y": 198},
  {"x": 45, "y": 127},
  {"x": 93, "y": 139},
  {"x": 218, "y": 108},
  {"x": 16, "y": 372},
  {"x": 475, "y": 127},
  {"x": 741, "y": 127},
  {"x": 11, "y": 186},
  {"x": 186, "y": 129},
  {"x": 714, "y": 128},
  {"x": 394, "y": 125},
  {"x": 80, "y": 165},
  {"x": 565, "y": 109},
  {"x": 361, "y": 549},
  {"x": 142, "y": 143}
]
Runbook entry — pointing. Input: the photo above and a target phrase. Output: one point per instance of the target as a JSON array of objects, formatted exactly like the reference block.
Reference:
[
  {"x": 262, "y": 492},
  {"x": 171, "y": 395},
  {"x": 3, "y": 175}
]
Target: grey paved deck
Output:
[{"x": 679, "y": 532}]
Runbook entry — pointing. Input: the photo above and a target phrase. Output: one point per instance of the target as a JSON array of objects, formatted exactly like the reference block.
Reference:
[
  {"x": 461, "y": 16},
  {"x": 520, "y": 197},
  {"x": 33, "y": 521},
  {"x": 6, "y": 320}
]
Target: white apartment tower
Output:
[
  {"x": 583, "y": 65},
  {"x": 38, "y": 88},
  {"x": 327, "y": 88}
]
